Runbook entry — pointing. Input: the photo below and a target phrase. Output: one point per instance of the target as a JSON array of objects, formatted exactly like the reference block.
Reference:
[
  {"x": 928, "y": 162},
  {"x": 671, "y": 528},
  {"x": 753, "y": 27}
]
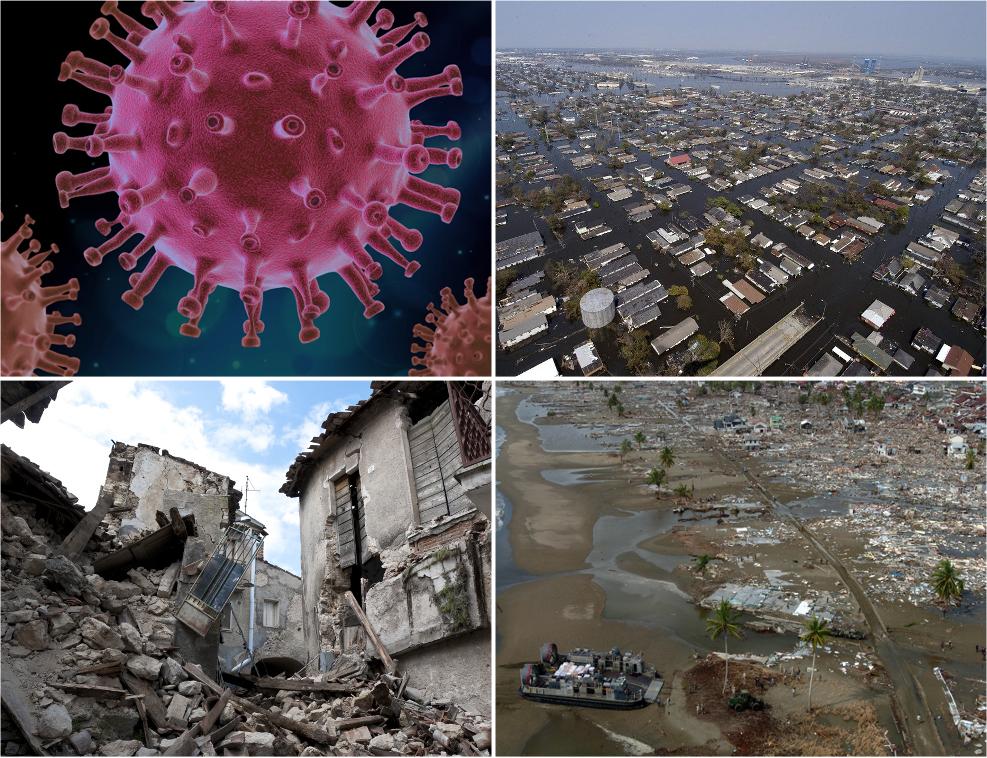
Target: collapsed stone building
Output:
[
  {"x": 260, "y": 626},
  {"x": 394, "y": 503},
  {"x": 96, "y": 660}
]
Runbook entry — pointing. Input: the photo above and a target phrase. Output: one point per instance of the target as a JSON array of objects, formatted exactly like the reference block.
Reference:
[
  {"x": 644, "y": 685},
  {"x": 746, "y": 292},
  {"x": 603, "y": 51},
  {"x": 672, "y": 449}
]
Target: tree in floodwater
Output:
[
  {"x": 667, "y": 457},
  {"x": 724, "y": 622},
  {"x": 657, "y": 477},
  {"x": 702, "y": 561},
  {"x": 625, "y": 448},
  {"x": 816, "y": 634},
  {"x": 947, "y": 585}
]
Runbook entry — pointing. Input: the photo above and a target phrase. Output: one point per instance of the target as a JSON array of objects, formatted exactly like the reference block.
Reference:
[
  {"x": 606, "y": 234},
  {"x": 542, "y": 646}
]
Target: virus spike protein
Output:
[
  {"x": 28, "y": 329},
  {"x": 248, "y": 142},
  {"x": 458, "y": 341}
]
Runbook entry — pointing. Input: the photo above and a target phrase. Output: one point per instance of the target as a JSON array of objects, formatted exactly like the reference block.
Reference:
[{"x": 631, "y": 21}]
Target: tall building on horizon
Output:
[{"x": 869, "y": 66}]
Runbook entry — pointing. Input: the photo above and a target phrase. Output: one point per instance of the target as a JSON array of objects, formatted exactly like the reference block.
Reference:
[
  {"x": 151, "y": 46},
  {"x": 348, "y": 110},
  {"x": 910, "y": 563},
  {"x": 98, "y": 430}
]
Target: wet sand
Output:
[
  {"x": 608, "y": 564},
  {"x": 568, "y": 610}
]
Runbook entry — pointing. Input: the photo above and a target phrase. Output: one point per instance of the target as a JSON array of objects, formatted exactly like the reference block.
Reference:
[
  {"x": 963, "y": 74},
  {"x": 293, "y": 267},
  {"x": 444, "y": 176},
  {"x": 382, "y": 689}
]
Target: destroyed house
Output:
[
  {"x": 394, "y": 506},
  {"x": 257, "y": 627}
]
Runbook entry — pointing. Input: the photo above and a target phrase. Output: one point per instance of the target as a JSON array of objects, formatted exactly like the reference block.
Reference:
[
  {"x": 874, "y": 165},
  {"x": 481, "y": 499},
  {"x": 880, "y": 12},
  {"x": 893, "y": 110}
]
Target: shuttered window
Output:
[
  {"x": 272, "y": 615},
  {"x": 436, "y": 459},
  {"x": 349, "y": 513}
]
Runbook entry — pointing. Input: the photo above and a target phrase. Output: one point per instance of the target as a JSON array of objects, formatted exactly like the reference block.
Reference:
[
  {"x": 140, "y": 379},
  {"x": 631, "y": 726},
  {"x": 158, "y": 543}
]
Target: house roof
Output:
[{"x": 334, "y": 425}]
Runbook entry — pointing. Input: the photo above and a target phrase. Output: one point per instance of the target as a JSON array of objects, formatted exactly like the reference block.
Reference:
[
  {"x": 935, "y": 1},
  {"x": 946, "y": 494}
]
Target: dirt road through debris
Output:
[{"x": 910, "y": 700}]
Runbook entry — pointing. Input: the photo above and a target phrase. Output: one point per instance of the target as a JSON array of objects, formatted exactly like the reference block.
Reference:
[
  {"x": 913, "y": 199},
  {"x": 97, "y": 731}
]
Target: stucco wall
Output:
[
  {"x": 457, "y": 669},
  {"x": 286, "y": 640},
  {"x": 140, "y": 476},
  {"x": 380, "y": 437}
]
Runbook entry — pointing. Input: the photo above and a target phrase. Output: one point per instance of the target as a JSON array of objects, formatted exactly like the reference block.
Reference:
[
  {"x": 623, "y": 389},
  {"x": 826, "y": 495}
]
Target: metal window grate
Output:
[
  {"x": 219, "y": 577},
  {"x": 470, "y": 402}
]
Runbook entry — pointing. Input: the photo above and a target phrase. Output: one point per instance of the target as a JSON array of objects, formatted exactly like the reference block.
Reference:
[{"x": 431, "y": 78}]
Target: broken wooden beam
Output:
[
  {"x": 298, "y": 685},
  {"x": 352, "y": 723},
  {"x": 104, "y": 669},
  {"x": 382, "y": 653},
  {"x": 220, "y": 734},
  {"x": 308, "y": 731},
  {"x": 142, "y": 712},
  {"x": 156, "y": 711},
  {"x": 92, "y": 690},
  {"x": 157, "y": 548},
  {"x": 16, "y": 707},
  {"x": 73, "y": 545},
  {"x": 184, "y": 744},
  {"x": 195, "y": 671},
  {"x": 209, "y": 720}
]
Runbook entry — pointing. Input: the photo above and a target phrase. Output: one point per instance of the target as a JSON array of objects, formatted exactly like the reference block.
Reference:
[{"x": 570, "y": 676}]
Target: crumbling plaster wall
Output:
[
  {"x": 456, "y": 669},
  {"x": 375, "y": 446},
  {"x": 286, "y": 640},
  {"x": 142, "y": 478},
  {"x": 274, "y": 583},
  {"x": 434, "y": 615}
]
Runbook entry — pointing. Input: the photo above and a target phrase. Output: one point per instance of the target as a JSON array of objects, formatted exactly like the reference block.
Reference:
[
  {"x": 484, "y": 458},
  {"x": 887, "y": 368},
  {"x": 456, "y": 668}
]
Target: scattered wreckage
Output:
[{"x": 95, "y": 662}]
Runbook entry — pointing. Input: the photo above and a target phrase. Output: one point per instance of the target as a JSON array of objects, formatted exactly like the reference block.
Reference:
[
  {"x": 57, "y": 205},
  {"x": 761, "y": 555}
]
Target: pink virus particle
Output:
[
  {"x": 458, "y": 341},
  {"x": 259, "y": 145},
  {"x": 28, "y": 329}
]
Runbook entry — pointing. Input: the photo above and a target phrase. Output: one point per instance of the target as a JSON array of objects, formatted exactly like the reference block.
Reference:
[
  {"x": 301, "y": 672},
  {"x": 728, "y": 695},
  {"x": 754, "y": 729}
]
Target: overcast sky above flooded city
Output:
[{"x": 952, "y": 30}]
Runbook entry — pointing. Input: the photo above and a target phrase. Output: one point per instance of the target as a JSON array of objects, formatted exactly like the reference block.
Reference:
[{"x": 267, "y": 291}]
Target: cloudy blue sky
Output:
[
  {"x": 237, "y": 427},
  {"x": 919, "y": 29}
]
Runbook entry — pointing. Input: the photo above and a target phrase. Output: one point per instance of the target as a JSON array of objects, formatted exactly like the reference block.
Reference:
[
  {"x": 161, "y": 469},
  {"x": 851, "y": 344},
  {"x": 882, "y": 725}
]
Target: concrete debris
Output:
[
  {"x": 99, "y": 635},
  {"x": 61, "y": 573},
  {"x": 82, "y": 742},
  {"x": 55, "y": 722},
  {"x": 107, "y": 674}
]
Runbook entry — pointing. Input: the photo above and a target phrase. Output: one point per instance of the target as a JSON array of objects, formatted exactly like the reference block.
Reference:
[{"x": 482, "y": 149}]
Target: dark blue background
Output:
[{"x": 116, "y": 340}]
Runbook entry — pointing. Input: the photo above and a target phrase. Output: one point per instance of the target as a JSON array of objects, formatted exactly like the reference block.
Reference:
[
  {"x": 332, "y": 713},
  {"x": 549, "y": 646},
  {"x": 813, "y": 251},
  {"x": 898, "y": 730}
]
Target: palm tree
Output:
[
  {"x": 970, "y": 458},
  {"x": 702, "y": 561},
  {"x": 725, "y": 621},
  {"x": 657, "y": 477},
  {"x": 667, "y": 457},
  {"x": 816, "y": 634},
  {"x": 625, "y": 448},
  {"x": 683, "y": 491},
  {"x": 639, "y": 438},
  {"x": 946, "y": 583}
]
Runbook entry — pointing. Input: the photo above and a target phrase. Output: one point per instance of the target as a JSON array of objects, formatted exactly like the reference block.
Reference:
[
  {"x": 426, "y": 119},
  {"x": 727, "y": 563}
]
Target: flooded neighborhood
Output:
[
  {"x": 732, "y": 215},
  {"x": 710, "y": 527}
]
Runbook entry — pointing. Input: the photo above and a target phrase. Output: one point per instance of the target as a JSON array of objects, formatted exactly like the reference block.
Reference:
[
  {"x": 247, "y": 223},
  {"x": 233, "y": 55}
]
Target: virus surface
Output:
[
  {"x": 259, "y": 145},
  {"x": 458, "y": 343},
  {"x": 28, "y": 329}
]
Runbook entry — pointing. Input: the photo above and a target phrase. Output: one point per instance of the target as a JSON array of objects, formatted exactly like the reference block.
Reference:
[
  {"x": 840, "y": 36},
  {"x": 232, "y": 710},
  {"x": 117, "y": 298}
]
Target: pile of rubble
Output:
[{"x": 91, "y": 668}]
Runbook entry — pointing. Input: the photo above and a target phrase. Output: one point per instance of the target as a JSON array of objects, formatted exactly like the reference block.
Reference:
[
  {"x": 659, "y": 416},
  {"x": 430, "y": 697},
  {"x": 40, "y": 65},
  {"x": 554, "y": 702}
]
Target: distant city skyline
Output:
[{"x": 921, "y": 30}]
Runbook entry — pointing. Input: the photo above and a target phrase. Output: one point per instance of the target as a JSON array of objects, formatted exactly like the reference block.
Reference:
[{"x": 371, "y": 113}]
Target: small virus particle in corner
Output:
[
  {"x": 28, "y": 329},
  {"x": 458, "y": 343},
  {"x": 258, "y": 146}
]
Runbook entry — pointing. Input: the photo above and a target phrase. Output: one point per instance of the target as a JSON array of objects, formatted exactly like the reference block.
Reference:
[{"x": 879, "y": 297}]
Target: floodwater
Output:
[
  {"x": 565, "y": 438},
  {"x": 642, "y": 601},
  {"x": 833, "y": 291}
]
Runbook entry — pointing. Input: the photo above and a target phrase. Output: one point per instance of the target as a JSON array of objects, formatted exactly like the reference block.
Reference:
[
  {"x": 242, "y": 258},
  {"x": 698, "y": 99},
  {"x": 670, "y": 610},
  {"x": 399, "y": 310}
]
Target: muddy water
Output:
[{"x": 624, "y": 593}]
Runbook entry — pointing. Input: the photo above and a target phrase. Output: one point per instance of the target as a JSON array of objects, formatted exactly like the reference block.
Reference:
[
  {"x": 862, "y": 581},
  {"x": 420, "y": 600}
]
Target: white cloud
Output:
[
  {"x": 72, "y": 442},
  {"x": 258, "y": 437},
  {"x": 300, "y": 435},
  {"x": 252, "y": 397}
]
